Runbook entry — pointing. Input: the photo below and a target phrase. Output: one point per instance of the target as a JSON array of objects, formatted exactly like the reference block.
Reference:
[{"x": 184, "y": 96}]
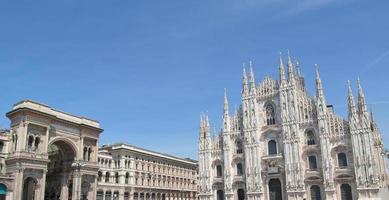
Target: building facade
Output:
[
  {"x": 48, "y": 154},
  {"x": 52, "y": 155},
  {"x": 135, "y": 173},
  {"x": 283, "y": 143}
]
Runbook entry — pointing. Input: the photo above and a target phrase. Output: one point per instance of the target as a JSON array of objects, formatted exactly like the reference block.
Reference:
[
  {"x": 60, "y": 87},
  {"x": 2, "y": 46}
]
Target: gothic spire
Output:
[
  {"x": 225, "y": 103},
  {"x": 319, "y": 86},
  {"x": 320, "y": 93},
  {"x": 252, "y": 79},
  {"x": 362, "y": 108},
  {"x": 201, "y": 125},
  {"x": 290, "y": 68},
  {"x": 281, "y": 69},
  {"x": 372, "y": 121},
  {"x": 298, "y": 68},
  {"x": 244, "y": 81},
  {"x": 351, "y": 105},
  {"x": 226, "y": 117}
]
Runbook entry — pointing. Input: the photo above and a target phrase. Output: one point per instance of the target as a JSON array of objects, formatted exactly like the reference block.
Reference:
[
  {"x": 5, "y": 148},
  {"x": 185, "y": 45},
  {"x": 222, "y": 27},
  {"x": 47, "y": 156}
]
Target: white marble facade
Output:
[{"x": 283, "y": 144}]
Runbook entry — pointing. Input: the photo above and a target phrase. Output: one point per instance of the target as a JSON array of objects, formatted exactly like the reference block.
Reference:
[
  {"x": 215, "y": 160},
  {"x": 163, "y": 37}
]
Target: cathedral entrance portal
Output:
[
  {"x": 241, "y": 194},
  {"x": 59, "y": 171},
  {"x": 275, "y": 189}
]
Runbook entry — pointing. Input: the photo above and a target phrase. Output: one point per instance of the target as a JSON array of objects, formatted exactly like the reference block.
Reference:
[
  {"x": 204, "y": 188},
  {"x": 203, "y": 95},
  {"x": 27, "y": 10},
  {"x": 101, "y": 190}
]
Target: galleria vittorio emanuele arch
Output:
[{"x": 48, "y": 154}]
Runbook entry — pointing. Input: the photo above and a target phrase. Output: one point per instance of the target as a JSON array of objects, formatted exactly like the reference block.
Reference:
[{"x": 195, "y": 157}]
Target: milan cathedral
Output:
[{"x": 283, "y": 144}]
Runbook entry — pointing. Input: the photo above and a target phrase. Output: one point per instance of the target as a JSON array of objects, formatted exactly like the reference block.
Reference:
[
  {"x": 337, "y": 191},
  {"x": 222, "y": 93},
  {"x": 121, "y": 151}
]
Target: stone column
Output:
[
  {"x": 93, "y": 189},
  {"x": 18, "y": 185},
  {"x": 40, "y": 191},
  {"x": 76, "y": 192}
]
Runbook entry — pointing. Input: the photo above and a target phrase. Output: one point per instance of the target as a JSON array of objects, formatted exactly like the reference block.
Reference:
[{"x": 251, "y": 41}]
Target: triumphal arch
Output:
[{"x": 53, "y": 155}]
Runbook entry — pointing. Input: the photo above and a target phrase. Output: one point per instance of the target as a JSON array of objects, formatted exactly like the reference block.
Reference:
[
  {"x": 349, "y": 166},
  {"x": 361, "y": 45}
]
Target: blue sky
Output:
[{"x": 147, "y": 69}]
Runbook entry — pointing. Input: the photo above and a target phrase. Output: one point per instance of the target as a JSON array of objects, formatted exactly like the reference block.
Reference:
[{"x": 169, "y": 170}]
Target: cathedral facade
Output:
[{"x": 282, "y": 144}]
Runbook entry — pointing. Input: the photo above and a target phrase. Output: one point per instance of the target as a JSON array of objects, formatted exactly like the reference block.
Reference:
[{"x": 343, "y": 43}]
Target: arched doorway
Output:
[
  {"x": 59, "y": 171},
  {"x": 241, "y": 194},
  {"x": 275, "y": 189},
  {"x": 315, "y": 192},
  {"x": 3, "y": 191},
  {"x": 220, "y": 195},
  {"x": 29, "y": 186},
  {"x": 345, "y": 192}
]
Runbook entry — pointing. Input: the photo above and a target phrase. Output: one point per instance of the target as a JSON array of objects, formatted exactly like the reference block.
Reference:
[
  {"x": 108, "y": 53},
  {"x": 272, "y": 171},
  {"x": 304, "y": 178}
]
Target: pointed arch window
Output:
[
  {"x": 241, "y": 195},
  {"x": 272, "y": 147},
  {"x": 310, "y": 138},
  {"x": 30, "y": 142},
  {"x": 239, "y": 147},
  {"x": 345, "y": 192},
  {"x": 270, "y": 115},
  {"x": 342, "y": 160},
  {"x": 220, "y": 195},
  {"x": 312, "y": 162},
  {"x": 239, "y": 169},
  {"x": 219, "y": 171},
  {"x": 315, "y": 192}
]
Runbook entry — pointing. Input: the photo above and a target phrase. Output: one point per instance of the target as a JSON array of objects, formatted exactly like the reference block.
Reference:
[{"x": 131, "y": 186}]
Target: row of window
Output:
[
  {"x": 146, "y": 167},
  {"x": 312, "y": 164},
  {"x": 87, "y": 153},
  {"x": 161, "y": 182},
  {"x": 342, "y": 161},
  {"x": 239, "y": 170},
  {"x": 33, "y": 143},
  {"x": 275, "y": 192}
]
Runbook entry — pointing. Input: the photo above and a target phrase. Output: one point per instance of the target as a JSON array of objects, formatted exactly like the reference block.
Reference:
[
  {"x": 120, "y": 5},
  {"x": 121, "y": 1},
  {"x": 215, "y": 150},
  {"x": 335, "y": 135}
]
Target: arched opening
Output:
[
  {"x": 342, "y": 160},
  {"x": 239, "y": 169},
  {"x": 310, "y": 138},
  {"x": 272, "y": 147},
  {"x": 3, "y": 191},
  {"x": 100, "y": 195},
  {"x": 29, "y": 187},
  {"x": 116, "y": 195},
  {"x": 30, "y": 143},
  {"x": 219, "y": 171},
  {"x": 220, "y": 195},
  {"x": 270, "y": 115},
  {"x": 126, "y": 196},
  {"x": 312, "y": 162},
  {"x": 345, "y": 192},
  {"x": 59, "y": 170},
  {"x": 126, "y": 181},
  {"x": 108, "y": 195},
  {"x": 99, "y": 176},
  {"x": 275, "y": 190},
  {"x": 136, "y": 196},
  {"x": 239, "y": 147},
  {"x": 315, "y": 192},
  {"x": 117, "y": 177},
  {"x": 241, "y": 194},
  {"x": 107, "y": 177}
]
